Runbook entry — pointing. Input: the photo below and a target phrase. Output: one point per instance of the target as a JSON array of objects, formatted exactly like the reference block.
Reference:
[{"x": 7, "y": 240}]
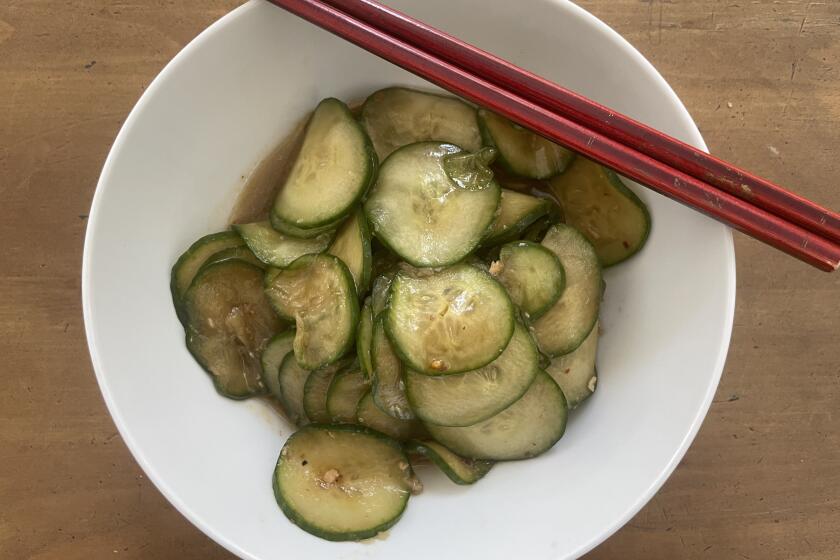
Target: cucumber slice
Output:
[
  {"x": 242, "y": 253},
  {"x": 388, "y": 387},
  {"x": 395, "y": 117},
  {"x": 368, "y": 414},
  {"x": 525, "y": 429},
  {"x": 346, "y": 390},
  {"x": 292, "y": 379},
  {"x": 332, "y": 171},
  {"x": 517, "y": 211},
  {"x": 315, "y": 392},
  {"x": 521, "y": 151},
  {"x": 352, "y": 246},
  {"x": 563, "y": 327},
  {"x": 304, "y": 233},
  {"x": 597, "y": 203},
  {"x": 275, "y": 249},
  {"x": 454, "y": 320},
  {"x": 424, "y": 215},
  {"x": 467, "y": 398},
  {"x": 272, "y": 357},
  {"x": 460, "y": 470},
  {"x": 364, "y": 336},
  {"x": 532, "y": 275},
  {"x": 575, "y": 372},
  {"x": 229, "y": 322},
  {"x": 342, "y": 483},
  {"x": 187, "y": 265},
  {"x": 317, "y": 291},
  {"x": 379, "y": 292}
]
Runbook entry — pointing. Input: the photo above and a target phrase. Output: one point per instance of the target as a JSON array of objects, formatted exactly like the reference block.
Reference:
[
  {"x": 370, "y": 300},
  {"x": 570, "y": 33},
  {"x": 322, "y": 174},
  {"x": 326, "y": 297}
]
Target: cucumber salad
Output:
[{"x": 421, "y": 283}]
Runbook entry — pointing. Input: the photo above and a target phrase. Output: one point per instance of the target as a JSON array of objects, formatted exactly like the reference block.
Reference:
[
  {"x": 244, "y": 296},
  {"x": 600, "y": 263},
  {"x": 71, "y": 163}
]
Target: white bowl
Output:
[{"x": 172, "y": 176}]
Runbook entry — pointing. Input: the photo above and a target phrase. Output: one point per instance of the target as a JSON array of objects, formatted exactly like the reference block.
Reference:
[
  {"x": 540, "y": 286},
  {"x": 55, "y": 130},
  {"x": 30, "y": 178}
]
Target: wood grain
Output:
[{"x": 762, "y": 480}]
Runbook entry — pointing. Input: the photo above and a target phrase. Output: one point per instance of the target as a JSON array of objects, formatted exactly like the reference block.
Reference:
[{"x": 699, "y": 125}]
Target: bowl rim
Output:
[{"x": 695, "y": 138}]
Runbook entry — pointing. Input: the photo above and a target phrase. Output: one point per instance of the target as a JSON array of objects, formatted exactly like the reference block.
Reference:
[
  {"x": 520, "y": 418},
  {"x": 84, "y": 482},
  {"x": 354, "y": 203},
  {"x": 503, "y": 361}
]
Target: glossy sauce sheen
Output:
[{"x": 257, "y": 195}]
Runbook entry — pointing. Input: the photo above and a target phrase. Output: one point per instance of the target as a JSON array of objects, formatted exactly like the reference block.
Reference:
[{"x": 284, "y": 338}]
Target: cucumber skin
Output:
[
  {"x": 515, "y": 231},
  {"x": 420, "y": 448},
  {"x": 177, "y": 297},
  {"x": 276, "y": 337},
  {"x": 487, "y": 140},
  {"x": 233, "y": 253},
  {"x": 367, "y": 250},
  {"x": 290, "y": 513},
  {"x": 372, "y": 171},
  {"x": 189, "y": 331},
  {"x": 302, "y": 233},
  {"x": 365, "y": 354}
]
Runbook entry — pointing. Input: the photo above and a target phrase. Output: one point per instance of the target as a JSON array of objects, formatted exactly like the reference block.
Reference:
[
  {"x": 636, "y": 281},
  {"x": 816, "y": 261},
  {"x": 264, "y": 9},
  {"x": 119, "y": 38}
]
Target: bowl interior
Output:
[{"x": 173, "y": 176}]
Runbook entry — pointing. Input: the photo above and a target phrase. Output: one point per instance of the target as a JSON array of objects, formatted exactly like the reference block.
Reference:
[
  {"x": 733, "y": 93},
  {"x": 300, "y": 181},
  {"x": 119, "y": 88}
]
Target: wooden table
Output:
[{"x": 762, "y": 480}]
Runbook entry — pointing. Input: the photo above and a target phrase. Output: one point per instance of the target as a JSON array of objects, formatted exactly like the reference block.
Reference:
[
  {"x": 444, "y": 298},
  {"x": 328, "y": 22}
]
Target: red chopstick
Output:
[
  {"x": 754, "y": 221},
  {"x": 598, "y": 118}
]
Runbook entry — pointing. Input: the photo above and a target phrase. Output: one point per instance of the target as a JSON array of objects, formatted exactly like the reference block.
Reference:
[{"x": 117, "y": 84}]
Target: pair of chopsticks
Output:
[{"x": 730, "y": 195}]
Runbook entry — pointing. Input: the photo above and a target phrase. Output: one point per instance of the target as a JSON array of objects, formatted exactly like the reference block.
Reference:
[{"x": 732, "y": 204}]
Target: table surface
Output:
[{"x": 762, "y": 479}]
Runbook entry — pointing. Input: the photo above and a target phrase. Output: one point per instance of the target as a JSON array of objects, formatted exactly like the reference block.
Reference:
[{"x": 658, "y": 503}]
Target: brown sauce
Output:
[{"x": 254, "y": 202}]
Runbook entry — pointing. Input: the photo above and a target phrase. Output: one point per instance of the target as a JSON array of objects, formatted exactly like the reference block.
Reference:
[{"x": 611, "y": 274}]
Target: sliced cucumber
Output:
[
  {"x": 368, "y": 414},
  {"x": 379, "y": 292},
  {"x": 388, "y": 387},
  {"x": 346, "y": 390},
  {"x": 527, "y": 428},
  {"x": 460, "y": 470},
  {"x": 575, "y": 372},
  {"x": 187, "y": 265},
  {"x": 317, "y": 291},
  {"x": 422, "y": 214},
  {"x": 342, "y": 483},
  {"x": 242, "y": 253},
  {"x": 395, "y": 117},
  {"x": 332, "y": 171},
  {"x": 532, "y": 275},
  {"x": 304, "y": 233},
  {"x": 276, "y": 249},
  {"x": 292, "y": 382},
  {"x": 229, "y": 322},
  {"x": 597, "y": 203},
  {"x": 467, "y": 398},
  {"x": 454, "y": 320},
  {"x": 521, "y": 151},
  {"x": 352, "y": 246},
  {"x": 563, "y": 327},
  {"x": 315, "y": 392},
  {"x": 517, "y": 211},
  {"x": 272, "y": 357},
  {"x": 364, "y": 336}
]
